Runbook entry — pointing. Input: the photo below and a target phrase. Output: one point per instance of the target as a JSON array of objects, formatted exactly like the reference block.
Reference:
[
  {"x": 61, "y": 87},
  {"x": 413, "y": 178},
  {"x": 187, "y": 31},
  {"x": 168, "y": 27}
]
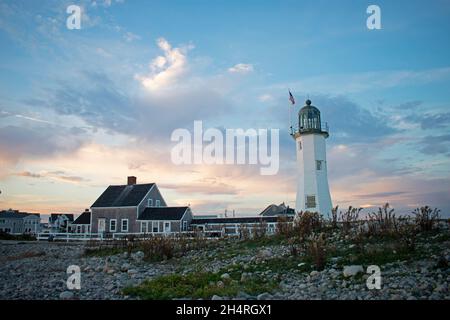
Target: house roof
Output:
[
  {"x": 84, "y": 218},
  {"x": 274, "y": 210},
  {"x": 123, "y": 195},
  {"x": 15, "y": 214},
  {"x": 234, "y": 220},
  {"x": 55, "y": 216},
  {"x": 12, "y": 214},
  {"x": 163, "y": 213}
]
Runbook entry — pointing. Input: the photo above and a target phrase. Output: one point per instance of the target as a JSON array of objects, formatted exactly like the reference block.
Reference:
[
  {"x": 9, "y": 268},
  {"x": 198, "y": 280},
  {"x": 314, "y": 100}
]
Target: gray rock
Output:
[
  {"x": 132, "y": 271},
  {"x": 264, "y": 296},
  {"x": 216, "y": 297},
  {"x": 138, "y": 256},
  {"x": 125, "y": 267},
  {"x": 265, "y": 253},
  {"x": 350, "y": 271},
  {"x": 66, "y": 295},
  {"x": 225, "y": 276},
  {"x": 314, "y": 273}
]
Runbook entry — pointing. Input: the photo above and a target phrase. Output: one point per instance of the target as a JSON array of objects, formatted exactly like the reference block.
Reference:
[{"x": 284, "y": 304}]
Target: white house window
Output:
[
  {"x": 144, "y": 226},
  {"x": 101, "y": 225},
  {"x": 319, "y": 164},
  {"x": 184, "y": 225},
  {"x": 113, "y": 225},
  {"x": 158, "y": 203},
  {"x": 155, "y": 226},
  {"x": 150, "y": 203},
  {"x": 166, "y": 226},
  {"x": 124, "y": 225},
  {"x": 310, "y": 202}
]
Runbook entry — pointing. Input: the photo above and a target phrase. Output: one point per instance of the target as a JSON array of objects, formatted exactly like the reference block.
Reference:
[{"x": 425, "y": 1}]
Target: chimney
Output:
[{"x": 131, "y": 180}]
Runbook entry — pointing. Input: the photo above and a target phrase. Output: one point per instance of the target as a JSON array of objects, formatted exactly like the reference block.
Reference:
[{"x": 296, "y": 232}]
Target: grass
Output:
[
  {"x": 102, "y": 252},
  {"x": 202, "y": 285}
]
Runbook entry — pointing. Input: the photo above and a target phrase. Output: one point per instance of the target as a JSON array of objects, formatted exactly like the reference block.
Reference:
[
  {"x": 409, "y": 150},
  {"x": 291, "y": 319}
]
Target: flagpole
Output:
[{"x": 290, "y": 117}]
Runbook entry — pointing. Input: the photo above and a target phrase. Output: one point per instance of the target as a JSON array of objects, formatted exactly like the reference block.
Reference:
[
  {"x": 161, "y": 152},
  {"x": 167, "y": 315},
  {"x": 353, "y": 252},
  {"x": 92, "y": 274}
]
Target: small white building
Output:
[
  {"x": 15, "y": 222},
  {"x": 313, "y": 192}
]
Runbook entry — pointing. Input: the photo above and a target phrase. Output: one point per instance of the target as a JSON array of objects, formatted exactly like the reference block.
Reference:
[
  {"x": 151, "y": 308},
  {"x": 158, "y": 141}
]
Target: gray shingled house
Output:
[
  {"x": 136, "y": 208},
  {"x": 82, "y": 223},
  {"x": 158, "y": 220}
]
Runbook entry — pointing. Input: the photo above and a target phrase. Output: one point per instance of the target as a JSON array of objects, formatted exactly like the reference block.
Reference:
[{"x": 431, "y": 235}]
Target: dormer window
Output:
[
  {"x": 150, "y": 203},
  {"x": 158, "y": 203}
]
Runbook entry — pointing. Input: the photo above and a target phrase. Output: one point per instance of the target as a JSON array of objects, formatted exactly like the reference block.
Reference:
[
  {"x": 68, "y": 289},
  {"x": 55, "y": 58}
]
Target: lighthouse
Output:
[{"x": 313, "y": 192}]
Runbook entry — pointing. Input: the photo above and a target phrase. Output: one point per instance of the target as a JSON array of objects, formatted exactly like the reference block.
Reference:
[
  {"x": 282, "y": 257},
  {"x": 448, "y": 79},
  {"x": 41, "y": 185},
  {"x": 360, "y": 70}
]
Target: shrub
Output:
[
  {"x": 426, "y": 218},
  {"x": 307, "y": 222},
  {"x": 408, "y": 235},
  {"x": 349, "y": 218},
  {"x": 244, "y": 233},
  {"x": 158, "y": 248},
  {"x": 334, "y": 217},
  {"x": 316, "y": 251},
  {"x": 284, "y": 227},
  {"x": 260, "y": 230},
  {"x": 384, "y": 221}
]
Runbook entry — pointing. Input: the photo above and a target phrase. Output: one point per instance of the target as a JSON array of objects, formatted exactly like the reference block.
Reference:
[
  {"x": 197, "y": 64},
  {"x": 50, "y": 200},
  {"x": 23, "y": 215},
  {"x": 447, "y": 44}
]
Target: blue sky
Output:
[{"x": 82, "y": 109}]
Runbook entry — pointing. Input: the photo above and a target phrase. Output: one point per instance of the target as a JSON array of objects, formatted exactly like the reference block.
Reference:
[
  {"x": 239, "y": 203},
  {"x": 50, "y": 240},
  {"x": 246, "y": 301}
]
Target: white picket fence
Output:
[
  {"x": 69, "y": 236},
  {"x": 114, "y": 236}
]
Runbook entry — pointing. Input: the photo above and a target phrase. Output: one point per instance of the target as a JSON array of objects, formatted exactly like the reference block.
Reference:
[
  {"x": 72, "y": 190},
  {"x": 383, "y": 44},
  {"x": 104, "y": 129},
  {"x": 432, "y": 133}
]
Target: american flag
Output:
[{"x": 291, "y": 98}]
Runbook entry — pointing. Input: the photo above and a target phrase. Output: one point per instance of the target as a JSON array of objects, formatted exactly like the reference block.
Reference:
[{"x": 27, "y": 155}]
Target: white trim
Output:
[{"x": 121, "y": 225}]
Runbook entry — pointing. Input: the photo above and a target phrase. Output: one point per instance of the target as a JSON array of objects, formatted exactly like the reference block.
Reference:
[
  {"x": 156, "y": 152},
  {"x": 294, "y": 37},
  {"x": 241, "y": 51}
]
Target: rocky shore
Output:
[{"x": 37, "y": 270}]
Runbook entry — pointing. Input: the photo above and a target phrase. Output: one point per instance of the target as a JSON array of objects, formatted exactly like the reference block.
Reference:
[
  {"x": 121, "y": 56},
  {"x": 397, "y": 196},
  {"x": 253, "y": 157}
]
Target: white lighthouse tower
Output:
[{"x": 313, "y": 193}]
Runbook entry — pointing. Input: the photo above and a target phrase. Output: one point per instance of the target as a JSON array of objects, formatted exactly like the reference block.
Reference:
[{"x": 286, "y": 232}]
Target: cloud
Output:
[
  {"x": 436, "y": 144},
  {"x": 383, "y": 195},
  {"x": 28, "y": 174},
  {"x": 265, "y": 98},
  {"x": 37, "y": 142},
  {"x": 130, "y": 36},
  {"x": 349, "y": 122},
  {"x": 55, "y": 175},
  {"x": 430, "y": 121},
  {"x": 242, "y": 68},
  {"x": 347, "y": 83},
  {"x": 104, "y": 103},
  {"x": 166, "y": 70},
  {"x": 206, "y": 188}
]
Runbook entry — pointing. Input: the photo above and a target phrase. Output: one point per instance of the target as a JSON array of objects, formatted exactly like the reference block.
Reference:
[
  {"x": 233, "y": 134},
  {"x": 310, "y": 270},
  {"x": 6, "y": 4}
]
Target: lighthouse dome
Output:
[{"x": 309, "y": 118}]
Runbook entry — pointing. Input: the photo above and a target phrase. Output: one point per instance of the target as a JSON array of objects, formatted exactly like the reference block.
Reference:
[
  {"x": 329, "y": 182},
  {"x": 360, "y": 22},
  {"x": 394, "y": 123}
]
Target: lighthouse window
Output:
[
  {"x": 310, "y": 202},
  {"x": 319, "y": 164},
  {"x": 299, "y": 145}
]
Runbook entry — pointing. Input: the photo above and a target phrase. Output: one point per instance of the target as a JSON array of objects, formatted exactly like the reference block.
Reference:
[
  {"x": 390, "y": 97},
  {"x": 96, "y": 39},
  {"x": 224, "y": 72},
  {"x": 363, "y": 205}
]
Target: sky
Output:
[{"x": 84, "y": 109}]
